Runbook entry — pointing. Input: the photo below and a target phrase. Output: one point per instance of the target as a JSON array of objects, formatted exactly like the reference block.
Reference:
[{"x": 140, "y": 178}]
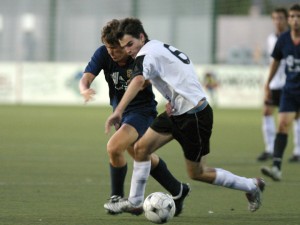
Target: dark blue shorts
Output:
[
  {"x": 289, "y": 102},
  {"x": 140, "y": 120}
]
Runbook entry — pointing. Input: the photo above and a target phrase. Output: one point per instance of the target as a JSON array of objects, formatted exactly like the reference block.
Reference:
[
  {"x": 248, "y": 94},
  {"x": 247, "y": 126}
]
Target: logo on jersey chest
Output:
[
  {"x": 293, "y": 64},
  {"x": 129, "y": 73},
  {"x": 115, "y": 77},
  {"x": 119, "y": 82}
]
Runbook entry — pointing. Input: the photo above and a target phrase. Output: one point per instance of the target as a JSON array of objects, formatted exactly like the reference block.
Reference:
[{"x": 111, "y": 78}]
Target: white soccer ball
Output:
[{"x": 159, "y": 207}]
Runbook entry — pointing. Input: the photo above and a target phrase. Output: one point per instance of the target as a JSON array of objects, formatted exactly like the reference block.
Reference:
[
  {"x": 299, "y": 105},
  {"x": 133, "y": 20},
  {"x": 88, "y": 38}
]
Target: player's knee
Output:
[
  {"x": 140, "y": 152},
  {"x": 267, "y": 111},
  {"x": 113, "y": 149},
  {"x": 283, "y": 127}
]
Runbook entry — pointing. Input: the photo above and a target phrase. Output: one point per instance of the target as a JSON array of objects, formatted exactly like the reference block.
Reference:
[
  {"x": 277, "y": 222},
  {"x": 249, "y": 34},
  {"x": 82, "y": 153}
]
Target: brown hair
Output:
[
  {"x": 295, "y": 7},
  {"x": 109, "y": 32},
  {"x": 131, "y": 26},
  {"x": 281, "y": 10}
]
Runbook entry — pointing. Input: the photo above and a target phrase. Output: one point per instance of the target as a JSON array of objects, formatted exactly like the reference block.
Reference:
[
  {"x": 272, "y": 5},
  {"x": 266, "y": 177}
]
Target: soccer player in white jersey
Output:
[
  {"x": 280, "y": 21},
  {"x": 117, "y": 66},
  {"x": 188, "y": 117}
]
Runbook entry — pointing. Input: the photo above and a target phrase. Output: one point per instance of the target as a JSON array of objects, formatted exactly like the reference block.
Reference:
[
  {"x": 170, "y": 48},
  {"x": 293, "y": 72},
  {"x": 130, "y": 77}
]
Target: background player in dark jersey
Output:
[
  {"x": 188, "y": 118},
  {"x": 280, "y": 22},
  {"x": 287, "y": 47},
  {"x": 139, "y": 114}
]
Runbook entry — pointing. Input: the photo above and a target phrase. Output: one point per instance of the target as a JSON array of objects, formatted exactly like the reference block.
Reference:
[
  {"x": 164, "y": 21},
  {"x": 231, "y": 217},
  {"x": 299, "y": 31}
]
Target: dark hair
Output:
[
  {"x": 281, "y": 10},
  {"x": 295, "y": 7},
  {"x": 131, "y": 26},
  {"x": 109, "y": 32}
]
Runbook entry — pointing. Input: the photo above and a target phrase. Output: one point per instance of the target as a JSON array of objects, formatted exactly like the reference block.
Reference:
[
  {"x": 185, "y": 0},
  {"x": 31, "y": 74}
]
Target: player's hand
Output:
[
  {"x": 169, "y": 109},
  {"x": 88, "y": 94},
  {"x": 113, "y": 120}
]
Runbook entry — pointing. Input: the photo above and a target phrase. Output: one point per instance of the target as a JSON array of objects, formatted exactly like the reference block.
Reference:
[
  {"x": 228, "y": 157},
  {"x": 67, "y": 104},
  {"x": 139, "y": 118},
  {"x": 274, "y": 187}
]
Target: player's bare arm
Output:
[
  {"x": 146, "y": 84},
  {"x": 273, "y": 68},
  {"x": 136, "y": 85},
  {"x": 84, "y": 86}
]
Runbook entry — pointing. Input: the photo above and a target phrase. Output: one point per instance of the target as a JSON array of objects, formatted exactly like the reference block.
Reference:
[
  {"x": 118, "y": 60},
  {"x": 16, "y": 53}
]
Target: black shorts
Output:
[
  {"x": 192, "y": 131},
  {"x": 275, "y": 98}
]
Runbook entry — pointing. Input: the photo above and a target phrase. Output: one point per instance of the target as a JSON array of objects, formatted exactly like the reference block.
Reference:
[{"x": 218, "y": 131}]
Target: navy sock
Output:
[
  {"x": 279, "y": 147},
  {"x": 163, "y": 176},
  {"x": 117, "y": 176}
]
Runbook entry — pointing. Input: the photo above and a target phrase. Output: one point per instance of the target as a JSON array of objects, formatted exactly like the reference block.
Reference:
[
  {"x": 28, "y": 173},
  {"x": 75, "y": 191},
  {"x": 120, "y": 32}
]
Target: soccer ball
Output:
[{"x": 159, "y": 207}]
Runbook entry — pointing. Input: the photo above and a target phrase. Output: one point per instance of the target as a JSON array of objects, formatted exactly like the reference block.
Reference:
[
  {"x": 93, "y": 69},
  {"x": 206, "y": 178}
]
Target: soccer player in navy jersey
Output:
[
  {"x": 287, "y": 47},
  {"x": 137, "y": 116},
  {"x": 280, "y": 21},
  {"x": 188, "y": 117}
]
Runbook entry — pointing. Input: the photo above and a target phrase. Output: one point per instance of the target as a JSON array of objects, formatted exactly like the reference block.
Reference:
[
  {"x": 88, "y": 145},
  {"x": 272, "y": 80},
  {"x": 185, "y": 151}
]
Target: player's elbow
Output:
[{"x": 139, "y": 82}]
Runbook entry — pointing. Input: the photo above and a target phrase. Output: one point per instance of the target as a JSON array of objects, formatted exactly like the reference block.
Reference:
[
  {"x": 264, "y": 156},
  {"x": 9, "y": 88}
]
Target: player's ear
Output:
[{"x": 142, "y": 37}]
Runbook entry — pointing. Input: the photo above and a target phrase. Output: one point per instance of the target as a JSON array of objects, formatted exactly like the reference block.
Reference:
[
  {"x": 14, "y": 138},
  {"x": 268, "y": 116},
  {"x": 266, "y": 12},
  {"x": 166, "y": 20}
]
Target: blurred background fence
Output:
[{"x": 45, "y": 44}]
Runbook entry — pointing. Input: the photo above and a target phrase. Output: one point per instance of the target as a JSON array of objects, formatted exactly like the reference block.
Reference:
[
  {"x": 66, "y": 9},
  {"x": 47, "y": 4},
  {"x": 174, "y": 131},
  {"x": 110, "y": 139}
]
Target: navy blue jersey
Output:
[
  {"x": 116, "y": 77},
  {"x": 286, "y": 49}
]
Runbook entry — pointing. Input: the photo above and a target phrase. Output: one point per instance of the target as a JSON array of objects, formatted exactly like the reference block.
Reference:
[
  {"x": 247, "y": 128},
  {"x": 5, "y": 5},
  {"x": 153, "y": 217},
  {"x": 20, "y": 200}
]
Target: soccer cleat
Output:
[
  {"x": 294, "y": 159},
  {"x": 124, "y": 205},
  {"x": 264, "y": 156},
  {"x": 184, "y": 191},
  {"x": 255, "y": 198},
  {"x": 272, "y": 172},
  {"x": 113, "y": 199}
]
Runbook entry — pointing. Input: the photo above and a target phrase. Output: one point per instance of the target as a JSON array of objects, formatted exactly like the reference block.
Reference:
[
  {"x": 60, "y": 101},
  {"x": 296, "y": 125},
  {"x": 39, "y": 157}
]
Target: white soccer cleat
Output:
[
  {"x": 113, "y": 199},
  {"x": 124, "y": 205},
  {"x": 255, "y": 198},
  {"x": 272, "y": 172}
]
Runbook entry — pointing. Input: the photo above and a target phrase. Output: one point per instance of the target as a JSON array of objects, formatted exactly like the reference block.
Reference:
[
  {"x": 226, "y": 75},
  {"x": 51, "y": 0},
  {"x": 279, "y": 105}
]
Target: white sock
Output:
[
  {"x": 227, "y": 179},
  {"x": 269, "y": 133},
  {"x": 140, "y": 174},
  {"x": 297, "y": 137}
]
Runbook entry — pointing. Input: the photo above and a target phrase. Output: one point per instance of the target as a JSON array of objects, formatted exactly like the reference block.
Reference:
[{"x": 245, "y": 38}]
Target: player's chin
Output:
[{"x": 132, "y": 55}]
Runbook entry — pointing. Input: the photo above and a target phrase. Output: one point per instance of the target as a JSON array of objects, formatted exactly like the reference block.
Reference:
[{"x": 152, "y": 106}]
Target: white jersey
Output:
[
  {"x": 172, "y": 73},
  {"x": 278, "y": 80}
]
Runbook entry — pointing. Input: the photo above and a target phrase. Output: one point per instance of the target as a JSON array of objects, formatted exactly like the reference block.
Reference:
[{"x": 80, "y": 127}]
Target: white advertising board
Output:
[
  {"x": 238, "y": 86},
  {"x": 8, "y": 82},
  {"x": 57, "y": 83}
]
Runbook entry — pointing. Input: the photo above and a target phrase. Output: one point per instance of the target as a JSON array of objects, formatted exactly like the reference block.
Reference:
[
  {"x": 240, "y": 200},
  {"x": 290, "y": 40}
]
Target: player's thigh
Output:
[
  {"x": 122, "y": 139},
  {"x": 150, "y": 142},
  {"x": 285, "y": 121}
]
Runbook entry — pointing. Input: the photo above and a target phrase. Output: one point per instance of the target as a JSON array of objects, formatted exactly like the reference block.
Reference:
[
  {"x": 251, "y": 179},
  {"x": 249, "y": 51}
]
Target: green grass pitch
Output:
[{"x": 54, "y": 171}]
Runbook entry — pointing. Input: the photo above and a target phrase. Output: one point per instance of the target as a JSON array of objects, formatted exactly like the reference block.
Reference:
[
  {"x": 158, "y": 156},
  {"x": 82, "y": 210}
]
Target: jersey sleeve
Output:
[
  {"x": 138, "y": 66},
  {"x": 143, "y": 65},
  {"x": 98, "y": 61}
]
